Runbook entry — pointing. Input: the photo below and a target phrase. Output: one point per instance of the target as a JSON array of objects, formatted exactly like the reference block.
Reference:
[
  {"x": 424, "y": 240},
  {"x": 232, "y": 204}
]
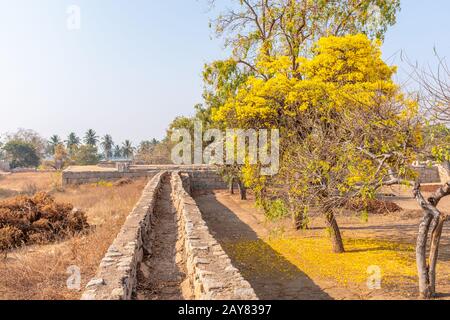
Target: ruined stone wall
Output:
[
  {"x": 206, "y": 180},
  {"x": 210, "y": 272},
  {"x": 117, "y": 273},
  {"x": 428, "y": 174},
  {"x": 73, "y": 178},
  {"x": 202, "y": 177}
]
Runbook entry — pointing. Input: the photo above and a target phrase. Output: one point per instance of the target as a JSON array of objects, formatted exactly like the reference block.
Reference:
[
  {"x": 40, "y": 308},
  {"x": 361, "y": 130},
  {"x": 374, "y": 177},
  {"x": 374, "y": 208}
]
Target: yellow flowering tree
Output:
[
  {"x": 346, "y": 128},
  {"x": 283, "y": 30}
]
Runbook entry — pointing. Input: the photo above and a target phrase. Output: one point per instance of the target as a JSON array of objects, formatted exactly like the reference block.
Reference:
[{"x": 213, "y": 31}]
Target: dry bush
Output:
[
  {"x": 372, "y": 206},
  {"x": 40, "y": 272},
  {"x": 123, "y": 182},
  {"x": 37, "y": 220}
]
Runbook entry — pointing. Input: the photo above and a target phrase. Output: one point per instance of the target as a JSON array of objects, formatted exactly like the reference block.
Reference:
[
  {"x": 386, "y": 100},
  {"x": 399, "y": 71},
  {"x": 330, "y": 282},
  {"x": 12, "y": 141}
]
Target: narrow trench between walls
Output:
[
  {"x": 165, "y": 251},
  {"x": 162, "y": 274}
]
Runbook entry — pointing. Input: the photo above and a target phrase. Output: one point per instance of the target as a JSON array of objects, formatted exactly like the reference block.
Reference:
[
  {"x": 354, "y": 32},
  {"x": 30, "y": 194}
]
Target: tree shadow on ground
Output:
[
  {"x": 404, "y": 234},
  {"x": 268, "y": 272}
]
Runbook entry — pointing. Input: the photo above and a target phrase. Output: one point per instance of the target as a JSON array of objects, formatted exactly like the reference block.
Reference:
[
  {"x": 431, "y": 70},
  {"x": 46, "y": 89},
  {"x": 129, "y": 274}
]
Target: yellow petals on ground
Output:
[{"x": 314, "y": 257}]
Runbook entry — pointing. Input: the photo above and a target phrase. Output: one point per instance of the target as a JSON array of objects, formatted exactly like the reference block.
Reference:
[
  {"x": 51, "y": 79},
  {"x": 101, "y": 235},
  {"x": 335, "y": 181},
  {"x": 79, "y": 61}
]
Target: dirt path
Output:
[
  {"x": 233, "y": 221},
  {"x": 230, "y": 222},
  {"x": 162, "y": 274}
]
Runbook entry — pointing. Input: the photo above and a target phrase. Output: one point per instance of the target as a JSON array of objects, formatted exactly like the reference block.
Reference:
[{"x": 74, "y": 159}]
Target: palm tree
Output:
[
  {"x": 91, "y": 138},
  {"x": 53, "y": 142},
  {"x": 72, "y": 141},
  {"x": 117, "y": 152},
  {"x": 127, "y": 149},
  {"x": 107, "y": 145}
]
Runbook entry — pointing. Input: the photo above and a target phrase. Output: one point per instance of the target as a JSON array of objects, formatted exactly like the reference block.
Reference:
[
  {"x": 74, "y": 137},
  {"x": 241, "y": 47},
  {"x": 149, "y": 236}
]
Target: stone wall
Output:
[
  {"x": 76, "y": 177},
  {"x": 206, "y": 180},
  {"x": 210, "y": 272},
  {"x": 203, "y": 177},
  {"x": 428, "y": 174},
  {"x": 444, "y": 174},
  {"x": 117, "y": 273}
]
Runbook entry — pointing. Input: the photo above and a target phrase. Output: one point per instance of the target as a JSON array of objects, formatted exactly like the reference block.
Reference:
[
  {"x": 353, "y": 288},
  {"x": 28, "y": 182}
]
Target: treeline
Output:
[{"x": 26, "y": 148}]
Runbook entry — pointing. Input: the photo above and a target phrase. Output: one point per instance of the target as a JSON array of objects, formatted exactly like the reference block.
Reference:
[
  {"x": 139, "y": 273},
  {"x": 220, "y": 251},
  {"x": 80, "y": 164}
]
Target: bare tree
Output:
[
  {"x": 433, "y": 221},
  {"x": 436, "y": 102}
]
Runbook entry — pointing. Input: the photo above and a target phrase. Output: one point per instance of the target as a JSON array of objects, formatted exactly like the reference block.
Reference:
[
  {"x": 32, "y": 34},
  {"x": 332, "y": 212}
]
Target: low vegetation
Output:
[
  {"x": 37, "y": 220},
  {"x": 41, "y": 271}
]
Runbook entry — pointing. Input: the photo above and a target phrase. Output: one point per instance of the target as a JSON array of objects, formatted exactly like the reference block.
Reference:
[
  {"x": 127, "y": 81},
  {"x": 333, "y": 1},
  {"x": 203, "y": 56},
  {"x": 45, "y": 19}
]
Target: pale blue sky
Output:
[{"x": 136, "y": 64}]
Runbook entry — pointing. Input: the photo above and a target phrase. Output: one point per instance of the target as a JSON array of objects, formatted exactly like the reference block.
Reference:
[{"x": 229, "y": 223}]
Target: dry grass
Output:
[
  {"x": 21, "y": 181},
  {"x": 40, "y": 272}
]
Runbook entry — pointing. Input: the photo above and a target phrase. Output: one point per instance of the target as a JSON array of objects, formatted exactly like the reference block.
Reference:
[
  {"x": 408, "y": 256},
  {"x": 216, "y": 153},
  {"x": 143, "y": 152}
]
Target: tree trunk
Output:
[
  {"x": 434, "y": 253},
  {"x": 242, "y": 190},
  {"x": 297, "y": 220},
  {"x": 335, "y": 233},
  {"x": 421, "y": 257},
  {"x": 231, "y": 185},
  {"x": 432, "y": 219}
]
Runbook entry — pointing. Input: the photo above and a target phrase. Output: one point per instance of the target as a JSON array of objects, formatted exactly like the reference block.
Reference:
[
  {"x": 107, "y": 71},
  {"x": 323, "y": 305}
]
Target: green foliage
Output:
[
  {"x": 72, "y": 141},
  {"x": 107, "y": 145},
  {"x": 21, "y": 154},
  {"x": 85, "y": 155},
  {"x": 275, "y": 209},
  {"x": 31, "y": 137},
  {"x": 436, "y": 142},
  {"x": 52, "y": 143},
  {"x": 117, "y": 152},
  {"x": 91, "y": 138},
  {"x": 127, "y": 149},
  {"x": 365, "y": 216}
]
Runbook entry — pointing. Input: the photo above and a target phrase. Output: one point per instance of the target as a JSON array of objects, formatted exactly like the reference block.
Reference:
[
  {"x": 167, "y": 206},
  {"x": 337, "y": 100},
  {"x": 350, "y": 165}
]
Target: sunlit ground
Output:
[{"x": 314, "y": 257}]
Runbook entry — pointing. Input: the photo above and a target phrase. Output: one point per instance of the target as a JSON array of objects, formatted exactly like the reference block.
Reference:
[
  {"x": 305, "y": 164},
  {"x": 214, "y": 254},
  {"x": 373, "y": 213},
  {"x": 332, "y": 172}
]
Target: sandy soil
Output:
[{"x": 230, "y": 220}]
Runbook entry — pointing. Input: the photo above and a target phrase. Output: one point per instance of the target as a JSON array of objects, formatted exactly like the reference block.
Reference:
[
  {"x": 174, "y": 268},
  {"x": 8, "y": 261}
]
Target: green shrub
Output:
[{"x": 275, "y": 209}]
